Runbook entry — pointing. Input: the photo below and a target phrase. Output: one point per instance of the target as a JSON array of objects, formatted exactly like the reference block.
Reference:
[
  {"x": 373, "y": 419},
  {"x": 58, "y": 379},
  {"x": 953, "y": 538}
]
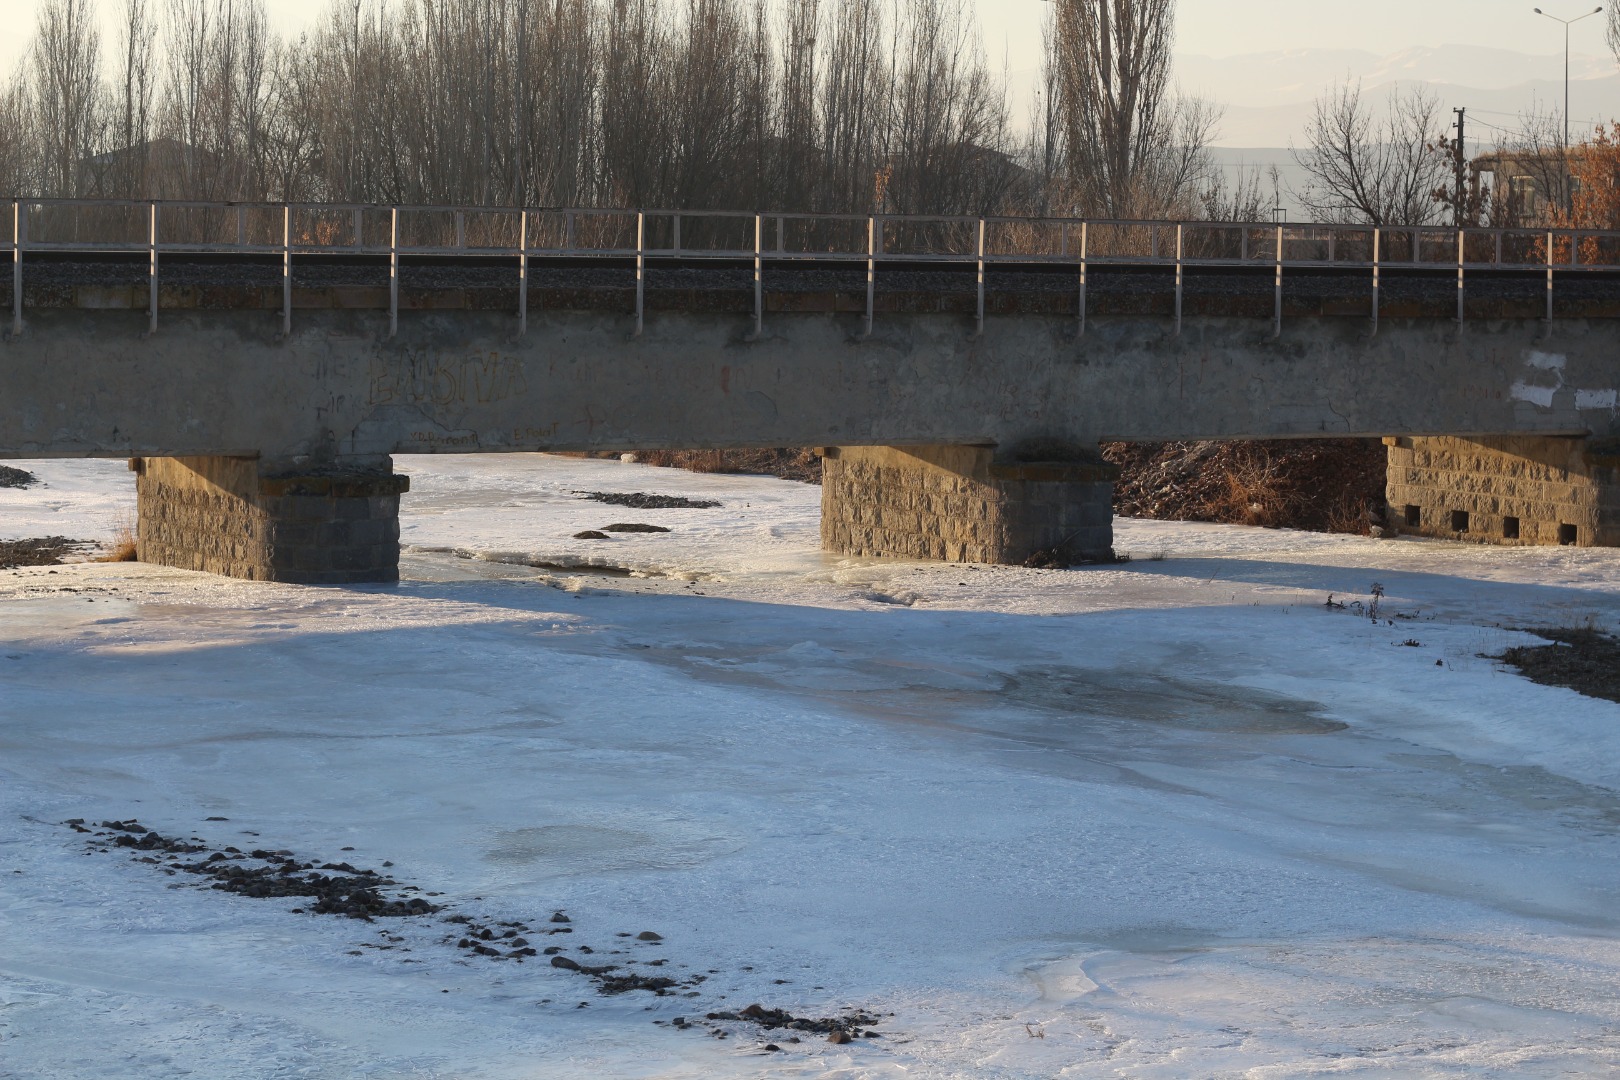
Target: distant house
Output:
[
  {"x": 156, "y": 169},
  {"x": 1529, "y": 186}
]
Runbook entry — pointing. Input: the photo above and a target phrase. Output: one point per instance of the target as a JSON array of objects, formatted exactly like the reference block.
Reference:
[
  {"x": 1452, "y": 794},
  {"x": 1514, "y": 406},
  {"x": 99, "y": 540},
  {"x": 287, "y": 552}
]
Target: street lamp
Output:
[{"x": 1567, "y": 24}]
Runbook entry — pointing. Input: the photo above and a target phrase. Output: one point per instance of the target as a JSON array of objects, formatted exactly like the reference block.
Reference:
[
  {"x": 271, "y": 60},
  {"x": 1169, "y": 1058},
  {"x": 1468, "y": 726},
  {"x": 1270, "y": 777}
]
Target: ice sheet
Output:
[{"x": 1173, "y": 818}]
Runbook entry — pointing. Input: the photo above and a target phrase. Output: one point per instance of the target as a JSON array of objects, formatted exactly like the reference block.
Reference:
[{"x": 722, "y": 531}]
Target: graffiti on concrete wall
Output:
[{"x": 420, "y": 377}]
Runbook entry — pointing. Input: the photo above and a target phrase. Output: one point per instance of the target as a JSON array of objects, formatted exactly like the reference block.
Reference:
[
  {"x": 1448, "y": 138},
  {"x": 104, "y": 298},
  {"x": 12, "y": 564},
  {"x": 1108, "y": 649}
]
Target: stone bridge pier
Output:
[
  {"x": 338, "y": 524},
  {"x": 1523, "y": 490},
  {"x": 247, "y": 518},
  {"x": 967, "y": 503}
]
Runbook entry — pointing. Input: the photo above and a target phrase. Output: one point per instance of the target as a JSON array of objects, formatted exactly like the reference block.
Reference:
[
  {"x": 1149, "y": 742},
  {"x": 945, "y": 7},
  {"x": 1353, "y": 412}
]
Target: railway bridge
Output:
[{"x": 259, "y": 364}]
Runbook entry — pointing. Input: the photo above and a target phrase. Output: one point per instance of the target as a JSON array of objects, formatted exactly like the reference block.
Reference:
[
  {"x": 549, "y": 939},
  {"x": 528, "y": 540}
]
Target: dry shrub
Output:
[
  {"x": 1350, "y": 516},
  {"x": 1254, "y": 494},
  {"x": 700, "y": 461},
  {"x": 123, "y": 546}
]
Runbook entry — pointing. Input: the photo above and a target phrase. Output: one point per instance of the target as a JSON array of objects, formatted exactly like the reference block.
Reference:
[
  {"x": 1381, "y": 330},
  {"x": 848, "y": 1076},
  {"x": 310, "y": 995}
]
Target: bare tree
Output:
[
  {"x": 945, "y": 138},
  {"x": 1366, "y": 166},
  {"x": 792, "y": 183},
  {"x": 1132, "y": 147},
  {"x": 853, "y": 78},
  {"x": 133, "y": 99},
  {"x": 830, "y": 105},
  {"x": 291, "y": 135},
  {"x": 1614, "y": 30},
  {"x": 1044, "y": 148},
  {"x": 67, "y": 90},
  {"x": 19, "y": 159},
  {"x": 720, "y": 77},
  {"x": 634, "y": 122}
]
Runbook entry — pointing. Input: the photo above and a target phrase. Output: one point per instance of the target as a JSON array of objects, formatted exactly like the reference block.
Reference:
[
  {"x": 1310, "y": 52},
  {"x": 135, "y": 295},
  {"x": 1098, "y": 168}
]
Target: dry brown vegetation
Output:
[
  {"x": 123, "y": 546},
  {"x": 1330, "y": 485},
  {"x": 803, "y": 465}
]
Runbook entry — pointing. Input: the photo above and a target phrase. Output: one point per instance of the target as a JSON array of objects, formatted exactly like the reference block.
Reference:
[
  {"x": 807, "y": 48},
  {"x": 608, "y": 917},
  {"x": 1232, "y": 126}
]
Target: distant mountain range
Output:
[{"x": 1268, "y": 96}]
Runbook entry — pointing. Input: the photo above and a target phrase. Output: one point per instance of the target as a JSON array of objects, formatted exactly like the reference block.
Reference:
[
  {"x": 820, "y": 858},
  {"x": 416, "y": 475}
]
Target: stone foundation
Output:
[
  {"x": 230, "y": 516},
  {"x": 957, "y": 504},
  {"x": 1518, "y": 490}
]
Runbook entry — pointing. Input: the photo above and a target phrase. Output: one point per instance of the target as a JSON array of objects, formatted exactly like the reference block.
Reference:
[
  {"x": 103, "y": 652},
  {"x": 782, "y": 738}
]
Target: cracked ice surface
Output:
[{"x": 1173, "y": 817}]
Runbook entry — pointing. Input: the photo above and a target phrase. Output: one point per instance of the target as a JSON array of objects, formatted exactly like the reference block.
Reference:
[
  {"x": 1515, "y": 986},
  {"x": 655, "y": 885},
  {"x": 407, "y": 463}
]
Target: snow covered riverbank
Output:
[{"x": 1167, "y": 819}]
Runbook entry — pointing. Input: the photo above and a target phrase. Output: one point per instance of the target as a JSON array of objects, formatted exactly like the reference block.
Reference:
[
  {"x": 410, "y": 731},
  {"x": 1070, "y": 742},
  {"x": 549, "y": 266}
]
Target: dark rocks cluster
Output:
[
  {"x": 336, "y": 888},
  {"x": 838, "y": 1029},
  {"x": 628, "y": 527},
  {"x": 39, "y": 551},
  {"x": 1583, "y": 659},
  {"x": 339, "y": 888},
  {"x": 640, "y": 500},
  {"x": 16, "y": 478}
]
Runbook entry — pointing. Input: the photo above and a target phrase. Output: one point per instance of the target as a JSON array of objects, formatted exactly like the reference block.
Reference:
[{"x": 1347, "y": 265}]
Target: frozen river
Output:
[{"x": 1174, "y": 818}]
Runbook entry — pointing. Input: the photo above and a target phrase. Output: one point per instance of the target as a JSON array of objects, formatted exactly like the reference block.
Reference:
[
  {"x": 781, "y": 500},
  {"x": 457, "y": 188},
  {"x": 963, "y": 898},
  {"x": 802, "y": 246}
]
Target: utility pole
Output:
[
  {"x": 1569, "y": 196},
  {"x": 1459, "y": 207}
]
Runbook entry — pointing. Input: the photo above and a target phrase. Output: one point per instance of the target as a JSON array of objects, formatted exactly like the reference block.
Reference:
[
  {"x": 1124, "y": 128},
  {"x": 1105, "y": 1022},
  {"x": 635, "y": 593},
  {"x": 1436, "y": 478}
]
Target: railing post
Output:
[
  {"x": 677, "y": 234},
  {"x": 1085, "y": 242},
  {"x": 358, "y": 227},
  {"x": 871, "y": 270},
  {"x": 980, "y": 311},
  {"x": 759, "y": 274},
  {"x": 1462, "y": 262},
  {"x": 1378, "y": 236},
  {"x": 523, "y": 272},
  {"x": 568, "y": 229},
  {"x": 1549, "y": 282},
  {"x": 1276, "y": 317},
  {"x": 152, "y": 269},
  {"x": 641, "y": 270},
  {"x": 461, "y": 228},
  {"x": 286, "y": 271},
  {"x": 781, "y": 234},
  {"x": 241, "y": 226},
  {"x": 19, "y": 234},
  {"x": 1180, "y": 270},
  {"x": 393, "y": 271}
]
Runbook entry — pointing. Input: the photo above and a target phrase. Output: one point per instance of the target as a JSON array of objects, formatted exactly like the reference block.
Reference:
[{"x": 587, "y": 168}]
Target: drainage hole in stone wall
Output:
[
  {"x": 1459, "y": 521},
  {"x": 1510, "y": 528},
  {"x": 1414, "y": 516},
  {"x": 1569, "y": 535}
]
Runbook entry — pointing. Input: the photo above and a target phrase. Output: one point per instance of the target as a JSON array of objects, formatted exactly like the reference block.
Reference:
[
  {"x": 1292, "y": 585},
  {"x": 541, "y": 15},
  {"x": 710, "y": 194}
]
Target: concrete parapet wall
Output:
[
  {"x": 223, "y": 515},
  {"x": 1518, "y": 490},
  {"x": 957, "y": 504}
]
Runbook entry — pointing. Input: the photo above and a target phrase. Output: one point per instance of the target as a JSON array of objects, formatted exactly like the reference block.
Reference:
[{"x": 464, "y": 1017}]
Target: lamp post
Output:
[{"x": 1567, "y": 24}]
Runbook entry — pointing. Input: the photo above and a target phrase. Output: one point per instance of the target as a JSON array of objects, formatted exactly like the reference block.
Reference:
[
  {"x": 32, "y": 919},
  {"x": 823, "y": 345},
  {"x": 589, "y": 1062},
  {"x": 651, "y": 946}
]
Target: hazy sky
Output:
[{"x": 1217, "y": 27}]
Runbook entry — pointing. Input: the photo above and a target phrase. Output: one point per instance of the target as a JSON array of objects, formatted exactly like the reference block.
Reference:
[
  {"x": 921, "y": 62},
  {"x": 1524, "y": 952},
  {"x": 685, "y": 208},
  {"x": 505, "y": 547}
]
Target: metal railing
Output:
[{"x": 289, "y": 230}]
